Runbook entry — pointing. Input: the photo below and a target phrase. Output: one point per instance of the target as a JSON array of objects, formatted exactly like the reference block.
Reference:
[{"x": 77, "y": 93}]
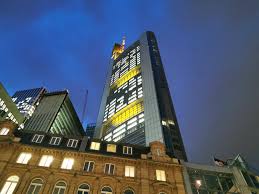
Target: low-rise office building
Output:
[
  {"x": 231, "y": 178},
  {"x": 44, "y": 163}
]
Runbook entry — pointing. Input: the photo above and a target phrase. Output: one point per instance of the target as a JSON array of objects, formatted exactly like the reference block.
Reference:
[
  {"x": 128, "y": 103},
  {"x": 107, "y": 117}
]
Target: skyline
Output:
[{"x": 209, "y": 52}]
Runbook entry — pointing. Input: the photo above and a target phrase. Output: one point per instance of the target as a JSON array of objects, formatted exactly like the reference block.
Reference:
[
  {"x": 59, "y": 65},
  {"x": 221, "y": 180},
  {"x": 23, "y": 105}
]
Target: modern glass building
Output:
[
  {"x": 27, "y": 100},
  {"x": 235, "y": 176},
  {"x": 55, "y": 114},
  {"x": 136, "y": 106}
]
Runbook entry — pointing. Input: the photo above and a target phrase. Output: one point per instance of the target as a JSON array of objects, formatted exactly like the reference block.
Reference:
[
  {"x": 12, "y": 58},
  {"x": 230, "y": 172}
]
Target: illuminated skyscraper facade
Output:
[
  {"x": 27, "y": 100},
  {"x": 136, "y": 105}
]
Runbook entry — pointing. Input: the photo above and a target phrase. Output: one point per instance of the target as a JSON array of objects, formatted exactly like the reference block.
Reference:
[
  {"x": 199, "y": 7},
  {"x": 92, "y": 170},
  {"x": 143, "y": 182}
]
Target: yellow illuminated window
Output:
[
  {"x": 127, "y": 113},
  {"x": 130, "y": 74},
  {"x": 129, "y": 171},
  {"x": 46, "y": 160},
  {"x": 164, "y": 123},
  {"x": 111, "y": 148},
  {"x": 95, "y": 146},
  {"x": 67, "y": 163},
  {"x": 4, "y": 131},
  {"x": 160, "y": 175},
  {"x": 24, "y": 158},
  {"x": 10, "y": 185}
]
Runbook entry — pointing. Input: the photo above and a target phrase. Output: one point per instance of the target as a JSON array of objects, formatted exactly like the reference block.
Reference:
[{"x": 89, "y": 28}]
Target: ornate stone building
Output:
[{"x": 37, "y": 163}]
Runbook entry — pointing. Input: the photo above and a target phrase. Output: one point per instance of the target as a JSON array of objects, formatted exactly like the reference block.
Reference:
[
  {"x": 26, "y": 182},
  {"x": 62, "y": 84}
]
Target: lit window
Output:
[
  {"x": 10, "y": 185},
  {"x": 141, "y": 120},
  {"x": 129, "y": 171},
  {"x": 164, "y": 123},
  {"x": 160, "y": 175},
  {"x": 127, "y": 150},
  {"x": 37, "y": 138},
  {"x": 59, "y": 188},
  {"x": 95, "y": 146},
  {"x": 171, "y": 122},
  {"x": 35, "y": 186},
  {"x": 109, "y": 168},
  {"x": 132, "y": 125},
  {"x": 46, "y": 160},
  {"x": 72, "y": 143},
  {"x": 106, "y": 190},
  {"x": 24, "y": 158},
  {"x": 55, "y": 141},
  {"x": 83, "y": 189},
  {"x": 67, "y": 163},
  {"x": 111, "y": 148},
  {"x": 4, "y": 131},
  {"x": 89, "y": 166}
]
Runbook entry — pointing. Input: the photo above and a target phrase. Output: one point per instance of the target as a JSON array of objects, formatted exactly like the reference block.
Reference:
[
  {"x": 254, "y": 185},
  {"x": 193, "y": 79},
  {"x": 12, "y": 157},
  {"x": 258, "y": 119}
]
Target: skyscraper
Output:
[
  {"x": 27, "y": 100},
  {"x": 136, "y": 105}
]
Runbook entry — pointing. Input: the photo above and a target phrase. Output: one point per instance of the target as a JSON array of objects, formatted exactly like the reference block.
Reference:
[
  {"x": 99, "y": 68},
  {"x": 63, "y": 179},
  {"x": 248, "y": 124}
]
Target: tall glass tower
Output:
[{"x": 136, "y": 104}]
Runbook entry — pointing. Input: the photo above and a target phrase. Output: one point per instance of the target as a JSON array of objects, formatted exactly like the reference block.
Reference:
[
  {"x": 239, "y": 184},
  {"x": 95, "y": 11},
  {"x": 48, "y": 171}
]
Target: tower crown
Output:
[{"x": 118, "y": 48}]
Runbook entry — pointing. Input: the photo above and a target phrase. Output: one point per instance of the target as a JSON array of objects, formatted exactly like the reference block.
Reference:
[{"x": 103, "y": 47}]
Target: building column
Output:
[
  {"x": 48, "y": 185},
  {"x": 144, "y": 186},
  {"x": 187, "y": 182},
  {"x": 71, "y": 187},
  {"x": 24, "y": 181},
  {"x": 96, "y": 187},
  {"x": 118, "y": 188}
]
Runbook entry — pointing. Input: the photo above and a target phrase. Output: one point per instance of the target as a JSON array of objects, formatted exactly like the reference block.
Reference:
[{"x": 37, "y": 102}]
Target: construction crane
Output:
[{"x": 84, "y": 107}]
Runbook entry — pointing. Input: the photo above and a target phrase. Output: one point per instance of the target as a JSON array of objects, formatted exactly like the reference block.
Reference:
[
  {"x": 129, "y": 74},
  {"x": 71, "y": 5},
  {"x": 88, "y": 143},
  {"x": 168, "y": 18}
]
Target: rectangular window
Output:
[
  {"x": 24, "y": 158},
  {"x": 129, "y": 171},
  {"x": 89, "y": 166},
  {"x": 72, "y": 143},
  {"x": 109, "y": 168},
  {"x": 111, "y": 148},
  {"x": 160, "y": 175},
  {"x": 127, "y": 150},
  {"x": 95, "y": 146},
  {"x": 37, "y": 138},
  {"x": 46, "y": 160},
  {"x": 67, "y": 163},
  {"x": 55, "y": 140}
]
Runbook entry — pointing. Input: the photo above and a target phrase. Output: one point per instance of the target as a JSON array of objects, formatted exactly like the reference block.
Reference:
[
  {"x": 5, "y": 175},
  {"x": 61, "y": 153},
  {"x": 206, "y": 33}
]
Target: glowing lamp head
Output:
[{"x": 197, "y": 184}]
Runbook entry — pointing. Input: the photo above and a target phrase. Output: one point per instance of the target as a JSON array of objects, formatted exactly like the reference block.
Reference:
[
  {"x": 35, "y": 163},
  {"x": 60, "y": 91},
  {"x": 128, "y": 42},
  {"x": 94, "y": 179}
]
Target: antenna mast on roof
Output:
[{"x": 123, "y": 42}]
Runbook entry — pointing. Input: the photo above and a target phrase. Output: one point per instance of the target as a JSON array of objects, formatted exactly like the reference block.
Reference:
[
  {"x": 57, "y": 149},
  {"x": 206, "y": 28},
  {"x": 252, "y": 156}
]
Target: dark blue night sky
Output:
[{"x": 210, "y": 51}]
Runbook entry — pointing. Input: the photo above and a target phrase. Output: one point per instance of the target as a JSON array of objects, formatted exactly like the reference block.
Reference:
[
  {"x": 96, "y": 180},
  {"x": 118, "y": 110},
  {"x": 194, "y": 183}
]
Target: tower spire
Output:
[{"x": 123, "y": 42}]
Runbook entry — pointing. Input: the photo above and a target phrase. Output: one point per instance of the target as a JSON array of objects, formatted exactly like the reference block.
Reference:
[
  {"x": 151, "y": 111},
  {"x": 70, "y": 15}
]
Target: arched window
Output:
[
  {"x": 60, "y": 188},
  {"x": 4, "y": 131},
  {"x": 35, "y": 186},
  {"x": 129, "y": 191},
  {"x": 10, "y": 185},
  {"x": 106, "y": 190},
  {"x": 83, "y": 189}
]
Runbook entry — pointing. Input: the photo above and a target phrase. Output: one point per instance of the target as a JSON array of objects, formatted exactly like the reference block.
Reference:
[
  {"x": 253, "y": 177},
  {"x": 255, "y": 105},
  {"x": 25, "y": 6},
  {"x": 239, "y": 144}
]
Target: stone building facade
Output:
[{"x": 29, "y": 164}]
